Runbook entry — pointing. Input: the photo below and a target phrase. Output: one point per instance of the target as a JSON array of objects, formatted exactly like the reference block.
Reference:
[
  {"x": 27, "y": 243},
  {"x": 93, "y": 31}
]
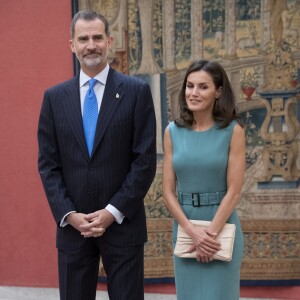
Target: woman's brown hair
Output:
[{"x": 224, "y": 110}]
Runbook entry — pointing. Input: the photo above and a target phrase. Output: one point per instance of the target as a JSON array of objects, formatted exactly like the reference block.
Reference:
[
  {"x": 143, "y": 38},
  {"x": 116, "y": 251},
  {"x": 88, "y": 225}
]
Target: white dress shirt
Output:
[{"x": 99, "y": 91}]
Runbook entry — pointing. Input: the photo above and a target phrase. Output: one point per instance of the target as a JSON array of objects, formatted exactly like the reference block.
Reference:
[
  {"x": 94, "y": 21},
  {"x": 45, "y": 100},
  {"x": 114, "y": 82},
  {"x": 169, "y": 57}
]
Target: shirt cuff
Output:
[
  {"x": 116, "y": 213},
  {"x": 63, "y": 221}
]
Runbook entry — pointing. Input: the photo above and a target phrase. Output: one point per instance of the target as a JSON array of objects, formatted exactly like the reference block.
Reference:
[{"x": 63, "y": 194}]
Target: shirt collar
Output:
[{"x": 101, "y": 77}]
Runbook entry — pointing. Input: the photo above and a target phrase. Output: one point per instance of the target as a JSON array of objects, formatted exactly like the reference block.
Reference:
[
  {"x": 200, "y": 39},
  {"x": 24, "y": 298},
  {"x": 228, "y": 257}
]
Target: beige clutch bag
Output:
[{"x": 225, "y": 237}]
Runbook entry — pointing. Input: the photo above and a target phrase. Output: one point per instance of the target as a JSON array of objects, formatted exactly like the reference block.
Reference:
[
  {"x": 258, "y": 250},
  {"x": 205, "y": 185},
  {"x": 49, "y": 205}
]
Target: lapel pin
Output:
[{"x": 117, "y": 95}]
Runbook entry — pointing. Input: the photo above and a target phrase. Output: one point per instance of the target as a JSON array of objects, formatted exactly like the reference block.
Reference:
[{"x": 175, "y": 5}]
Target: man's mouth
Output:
[{"x": 92, "y": 55}]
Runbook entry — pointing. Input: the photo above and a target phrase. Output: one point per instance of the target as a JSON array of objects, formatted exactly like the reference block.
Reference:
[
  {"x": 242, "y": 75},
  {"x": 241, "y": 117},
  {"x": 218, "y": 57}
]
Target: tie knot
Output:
[{"x": 92, "y": 83}]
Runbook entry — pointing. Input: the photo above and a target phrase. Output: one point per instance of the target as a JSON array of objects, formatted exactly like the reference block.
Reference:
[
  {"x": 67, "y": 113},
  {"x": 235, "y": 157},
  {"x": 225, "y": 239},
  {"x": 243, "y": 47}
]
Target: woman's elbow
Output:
[{"x": 237, "y": 198}]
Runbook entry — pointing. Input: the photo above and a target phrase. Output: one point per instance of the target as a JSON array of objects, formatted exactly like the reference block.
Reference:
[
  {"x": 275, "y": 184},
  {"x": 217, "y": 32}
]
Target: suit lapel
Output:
[
  {"x": 112, "y": 97},
  {"x": 73, "y": 112}
]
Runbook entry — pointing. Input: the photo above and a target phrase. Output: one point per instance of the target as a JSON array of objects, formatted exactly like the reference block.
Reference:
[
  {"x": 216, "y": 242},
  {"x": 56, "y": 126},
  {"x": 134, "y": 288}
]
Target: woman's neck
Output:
[{"x": 203, "y": 122}]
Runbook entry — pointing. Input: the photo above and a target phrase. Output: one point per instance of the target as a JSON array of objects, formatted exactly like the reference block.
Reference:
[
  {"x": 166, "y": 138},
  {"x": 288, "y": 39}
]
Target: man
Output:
[{"x": 95, "y": 175}]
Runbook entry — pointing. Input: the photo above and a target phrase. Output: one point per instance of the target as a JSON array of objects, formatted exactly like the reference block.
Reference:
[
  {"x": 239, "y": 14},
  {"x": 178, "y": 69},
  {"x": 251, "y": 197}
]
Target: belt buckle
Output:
[
  {"x": 206, "y": 196},
  {"x": 198, "y": 200}
]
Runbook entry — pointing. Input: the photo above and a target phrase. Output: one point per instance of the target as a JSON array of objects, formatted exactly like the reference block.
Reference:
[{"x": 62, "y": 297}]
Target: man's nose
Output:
[{"x": 91, "y": 44}]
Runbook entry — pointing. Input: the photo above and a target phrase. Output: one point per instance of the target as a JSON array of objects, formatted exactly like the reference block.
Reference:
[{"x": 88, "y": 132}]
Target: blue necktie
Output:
[{"x": 90, "y": 115}]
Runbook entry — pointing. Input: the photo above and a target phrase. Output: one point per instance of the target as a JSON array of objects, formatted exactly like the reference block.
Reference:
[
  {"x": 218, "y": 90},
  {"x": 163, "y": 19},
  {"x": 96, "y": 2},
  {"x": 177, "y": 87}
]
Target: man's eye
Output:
[{"x": 82, "y": 39}]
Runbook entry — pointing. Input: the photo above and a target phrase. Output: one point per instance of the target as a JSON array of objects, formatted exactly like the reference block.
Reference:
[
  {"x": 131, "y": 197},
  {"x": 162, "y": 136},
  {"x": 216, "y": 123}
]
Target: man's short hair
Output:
[{"x": 88, "y": 15}]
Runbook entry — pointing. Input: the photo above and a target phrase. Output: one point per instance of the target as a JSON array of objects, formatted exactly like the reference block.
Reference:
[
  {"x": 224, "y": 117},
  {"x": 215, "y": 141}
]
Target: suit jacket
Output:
[{"x": 123, "y": 161}]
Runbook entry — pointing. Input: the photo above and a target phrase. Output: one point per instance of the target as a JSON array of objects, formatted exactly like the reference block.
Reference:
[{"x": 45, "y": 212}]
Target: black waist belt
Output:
[{"x": 200, "y": 199}]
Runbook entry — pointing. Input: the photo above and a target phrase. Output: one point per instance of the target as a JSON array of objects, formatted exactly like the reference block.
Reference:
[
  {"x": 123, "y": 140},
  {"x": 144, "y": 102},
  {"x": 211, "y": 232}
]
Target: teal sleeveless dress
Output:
[{"x": 200, "y": 162}]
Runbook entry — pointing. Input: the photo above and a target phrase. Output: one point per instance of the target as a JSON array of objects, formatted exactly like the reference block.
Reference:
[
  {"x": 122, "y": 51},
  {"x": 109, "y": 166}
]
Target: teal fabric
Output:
[{"x": 200, "y": 162}]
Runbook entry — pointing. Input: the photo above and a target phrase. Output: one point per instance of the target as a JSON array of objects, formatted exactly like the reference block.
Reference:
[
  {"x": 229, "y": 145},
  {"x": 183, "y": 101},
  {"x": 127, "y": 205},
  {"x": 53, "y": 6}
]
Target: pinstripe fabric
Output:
[
  {"x": 122, "y": 164},
  {"x": 127, "y": 273},
  {"x": 78, "y": 272}
]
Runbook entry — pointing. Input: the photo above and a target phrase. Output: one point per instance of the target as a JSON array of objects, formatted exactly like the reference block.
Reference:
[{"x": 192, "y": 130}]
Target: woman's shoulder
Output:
[
  {"x": 169, "y": 128},
  {"x": 231, "y": 129},
  {"x": 172, "y": 126},
  {"x": 235, "y": 129},
  {"x": 234, "y": 123},
  {"x": 174, "y": 130}
]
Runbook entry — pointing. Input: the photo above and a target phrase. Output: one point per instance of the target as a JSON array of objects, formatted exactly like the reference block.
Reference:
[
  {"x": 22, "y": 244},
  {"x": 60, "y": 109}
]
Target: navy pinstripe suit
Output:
[{"x": 119, "y": 172}]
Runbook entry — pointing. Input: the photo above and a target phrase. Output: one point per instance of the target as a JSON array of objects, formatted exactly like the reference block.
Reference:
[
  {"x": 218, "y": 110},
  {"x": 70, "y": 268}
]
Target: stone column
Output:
[
  {"x": 83, "y": 4},
  {"x": 266, "y": 21},
  {"x": 235, "y": 83},
  {"x": 168, "y": 35},
  {"x": 230, "y": 30},
  {"x": 148, "y": 64},
  {"x": 196, "y": 29}
]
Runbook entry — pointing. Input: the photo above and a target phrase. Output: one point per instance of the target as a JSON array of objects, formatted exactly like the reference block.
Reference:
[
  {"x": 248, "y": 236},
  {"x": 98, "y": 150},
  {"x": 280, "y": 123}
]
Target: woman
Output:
[{"x": 204, "y": 152}]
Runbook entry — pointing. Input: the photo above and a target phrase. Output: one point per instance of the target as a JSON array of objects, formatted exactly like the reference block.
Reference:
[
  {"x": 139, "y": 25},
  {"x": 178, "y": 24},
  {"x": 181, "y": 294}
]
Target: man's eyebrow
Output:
[
  {"x": 82, "y": 36},
  {"x": 93, "y": 36}
]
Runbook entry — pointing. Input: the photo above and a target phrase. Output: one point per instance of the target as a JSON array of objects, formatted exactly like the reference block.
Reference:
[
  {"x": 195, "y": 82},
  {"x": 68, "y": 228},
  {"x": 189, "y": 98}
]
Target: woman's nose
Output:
[{"x": 195, "y": 91}]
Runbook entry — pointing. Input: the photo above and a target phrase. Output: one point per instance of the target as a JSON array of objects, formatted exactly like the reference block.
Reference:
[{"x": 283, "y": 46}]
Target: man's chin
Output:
[{"x": 92, "y": 62}]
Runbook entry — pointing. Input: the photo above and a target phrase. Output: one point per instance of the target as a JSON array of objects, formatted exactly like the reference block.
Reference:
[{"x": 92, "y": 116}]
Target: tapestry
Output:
[
  {"x": 271, "y": 251},
  {"x": 258, "y": 44}
]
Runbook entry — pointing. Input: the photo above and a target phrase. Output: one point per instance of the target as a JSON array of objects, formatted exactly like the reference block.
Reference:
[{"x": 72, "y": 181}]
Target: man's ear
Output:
[
  {"x": 71, "y": 43},
  {"x": 110, "y": 42}
]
